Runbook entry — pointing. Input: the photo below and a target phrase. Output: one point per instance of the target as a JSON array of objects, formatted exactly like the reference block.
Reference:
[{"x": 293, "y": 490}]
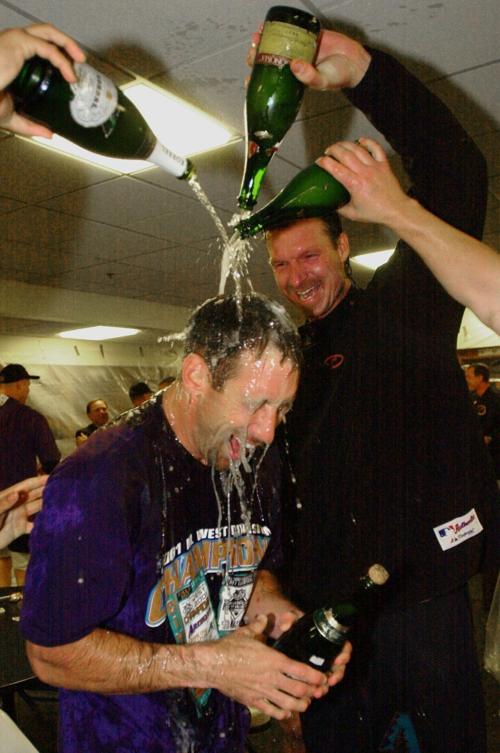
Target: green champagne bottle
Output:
[
  {"x": 317, "y": 637},
  {"x": 274, "y": 94},
  {"x": 92, "y": 113},
  {"x": 311, "y": 193}
]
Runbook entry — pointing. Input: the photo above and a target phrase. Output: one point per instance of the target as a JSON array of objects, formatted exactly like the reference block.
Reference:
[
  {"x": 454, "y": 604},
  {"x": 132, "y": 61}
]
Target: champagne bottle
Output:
[
  {"x": 318, "y": 636},
  {"x": 274, "y": 94},
  {"x": 92, "y": 113},
  {"x": 311, "y": 193}
]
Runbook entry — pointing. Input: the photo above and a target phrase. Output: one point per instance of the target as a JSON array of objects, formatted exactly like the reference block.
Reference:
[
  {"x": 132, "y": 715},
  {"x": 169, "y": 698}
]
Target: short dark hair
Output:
[
  {"x": 480, "y": 369},
  {"x": 138, "y": 389},
  {"x": 332, "y": 224},
  {"x": 223, "y": 327},
  {"x": 91, "y": 403}
]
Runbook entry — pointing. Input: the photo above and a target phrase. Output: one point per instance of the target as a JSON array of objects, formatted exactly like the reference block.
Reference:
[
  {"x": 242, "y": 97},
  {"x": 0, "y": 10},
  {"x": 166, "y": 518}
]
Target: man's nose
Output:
[
  {"x": 263, "y": 426},
  {"x": 296, "y": 275}
]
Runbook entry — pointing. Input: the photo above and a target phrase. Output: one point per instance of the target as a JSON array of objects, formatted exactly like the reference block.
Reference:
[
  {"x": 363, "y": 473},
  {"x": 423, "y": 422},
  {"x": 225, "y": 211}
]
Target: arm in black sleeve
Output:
[
  {"x": 447, "y": 170},
  {"x": 448, "y": 175}
]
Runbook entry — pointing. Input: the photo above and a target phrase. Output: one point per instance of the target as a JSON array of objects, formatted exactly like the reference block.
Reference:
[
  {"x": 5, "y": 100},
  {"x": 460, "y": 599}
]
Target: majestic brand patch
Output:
[{"x": 458, "y": 530}]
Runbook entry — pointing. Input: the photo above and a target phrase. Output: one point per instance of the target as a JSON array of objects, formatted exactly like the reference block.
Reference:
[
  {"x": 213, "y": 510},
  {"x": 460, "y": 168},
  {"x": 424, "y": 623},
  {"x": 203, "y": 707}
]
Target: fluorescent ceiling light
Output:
[
  {"x": 374, "y": 260},
  {"x": 182, "y": 127},
  {"x": 98, "y": 333}
]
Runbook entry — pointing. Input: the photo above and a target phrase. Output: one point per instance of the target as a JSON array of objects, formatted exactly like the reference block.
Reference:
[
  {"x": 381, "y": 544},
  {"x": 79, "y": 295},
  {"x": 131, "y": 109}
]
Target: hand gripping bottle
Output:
[
  {"x": 92, "y": 113},
  {"x": 274, "y": 94}
]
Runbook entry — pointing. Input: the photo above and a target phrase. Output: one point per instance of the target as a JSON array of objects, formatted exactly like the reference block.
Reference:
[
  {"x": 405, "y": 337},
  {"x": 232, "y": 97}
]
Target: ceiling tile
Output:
[
  {"x": 94, "y": 239},
  {"x": 121, "y": 201},
  {"x": 45, "y": 173}
]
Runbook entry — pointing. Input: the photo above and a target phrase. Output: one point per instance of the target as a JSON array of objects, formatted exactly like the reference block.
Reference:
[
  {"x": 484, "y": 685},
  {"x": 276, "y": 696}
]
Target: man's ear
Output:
[
  {"x": 195, "y": 375},
  {"x": 343, "y": 247}
]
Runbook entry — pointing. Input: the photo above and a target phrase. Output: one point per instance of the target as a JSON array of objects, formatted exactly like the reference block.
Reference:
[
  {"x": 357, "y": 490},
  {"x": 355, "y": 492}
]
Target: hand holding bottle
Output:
[
  {"x": 21, "y": 44},
  {"x": 255, "y": 674},
  {"x": 363, "y": 168},
  {"x": 340, "y": 63}
]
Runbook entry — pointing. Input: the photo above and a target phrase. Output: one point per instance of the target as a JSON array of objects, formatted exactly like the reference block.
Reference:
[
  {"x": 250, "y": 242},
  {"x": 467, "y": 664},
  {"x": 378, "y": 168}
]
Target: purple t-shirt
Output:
[{"x": 131, "y": 539}]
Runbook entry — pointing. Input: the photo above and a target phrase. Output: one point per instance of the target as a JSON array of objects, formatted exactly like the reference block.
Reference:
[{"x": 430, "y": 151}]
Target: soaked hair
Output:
[
  {"x": 331, "y": 222},
  {"x": 223, "y": 327}
]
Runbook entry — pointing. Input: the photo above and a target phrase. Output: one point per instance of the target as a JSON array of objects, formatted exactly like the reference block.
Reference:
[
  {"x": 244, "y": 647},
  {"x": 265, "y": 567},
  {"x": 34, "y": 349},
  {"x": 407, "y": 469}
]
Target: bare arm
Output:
[
  {"x": 240, "y": 665},
  {"x": 468, "y": 269},
  {"x": 17, "y": 504},
  {"x": 19, "y": 45}
]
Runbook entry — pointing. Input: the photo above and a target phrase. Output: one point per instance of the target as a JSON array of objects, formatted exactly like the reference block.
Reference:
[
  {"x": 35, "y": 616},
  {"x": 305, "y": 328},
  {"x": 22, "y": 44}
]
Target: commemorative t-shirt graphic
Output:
[{"x": 182, "y": 595}]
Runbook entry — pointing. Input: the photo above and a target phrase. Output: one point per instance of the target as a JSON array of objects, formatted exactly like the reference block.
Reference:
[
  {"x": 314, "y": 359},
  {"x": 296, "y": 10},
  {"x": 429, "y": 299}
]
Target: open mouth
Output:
[
  {"x": 304, "y": 295},
  {"x": 234, "y": 448}
]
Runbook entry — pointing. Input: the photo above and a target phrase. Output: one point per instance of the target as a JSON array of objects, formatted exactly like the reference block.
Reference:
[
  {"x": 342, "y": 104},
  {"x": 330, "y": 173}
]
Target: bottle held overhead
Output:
[
  {"x": 318, "y": 637},
  {"x": 92, "y": 113},
  {"x": 274, "y": 94},
  {"x": 313, "y": 192}
]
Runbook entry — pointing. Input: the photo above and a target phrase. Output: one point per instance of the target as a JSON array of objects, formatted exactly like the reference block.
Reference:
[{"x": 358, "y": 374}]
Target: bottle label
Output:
[
  {"x": 95, "y": 97},
  {"x": 168, "y": 160},
  {"x": 318, "y": 661},
  {"x": 281, "y": 42}
]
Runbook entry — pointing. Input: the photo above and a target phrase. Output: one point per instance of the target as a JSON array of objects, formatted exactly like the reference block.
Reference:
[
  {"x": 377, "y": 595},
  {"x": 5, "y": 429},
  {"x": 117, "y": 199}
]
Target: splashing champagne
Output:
[
  {"x": 92, "y": 113},
  {"x": 274, "y": 94}
]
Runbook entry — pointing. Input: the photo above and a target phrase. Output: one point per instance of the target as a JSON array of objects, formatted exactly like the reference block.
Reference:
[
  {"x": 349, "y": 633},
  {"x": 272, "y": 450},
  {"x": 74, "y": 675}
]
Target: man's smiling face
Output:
[{"x": 308, "y": 267}]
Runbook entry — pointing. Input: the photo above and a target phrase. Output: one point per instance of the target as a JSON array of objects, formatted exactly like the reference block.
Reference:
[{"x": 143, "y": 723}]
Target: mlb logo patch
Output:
[{"x": 458, "y": 530}]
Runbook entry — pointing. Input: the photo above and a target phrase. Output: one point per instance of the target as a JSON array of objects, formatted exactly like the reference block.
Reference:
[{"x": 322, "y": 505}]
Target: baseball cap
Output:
[{"x": 14, "y": 372}]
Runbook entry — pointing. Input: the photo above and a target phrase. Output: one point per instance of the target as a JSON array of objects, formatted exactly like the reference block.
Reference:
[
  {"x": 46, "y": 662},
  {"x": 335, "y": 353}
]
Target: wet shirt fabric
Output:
[{"x": 133, "y": 539}]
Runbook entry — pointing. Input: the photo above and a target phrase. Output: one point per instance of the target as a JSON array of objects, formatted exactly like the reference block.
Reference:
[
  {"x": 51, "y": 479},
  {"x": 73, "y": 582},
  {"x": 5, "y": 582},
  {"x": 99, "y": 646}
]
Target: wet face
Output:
[
  {"x": 98, "y": 413},
  {"x": 308, "y": 267},
  {"x": 233, "y": 421}
]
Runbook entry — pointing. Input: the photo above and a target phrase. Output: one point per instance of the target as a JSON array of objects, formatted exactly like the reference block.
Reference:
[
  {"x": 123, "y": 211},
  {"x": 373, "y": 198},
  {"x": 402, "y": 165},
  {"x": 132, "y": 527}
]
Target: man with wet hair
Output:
[
  {"x": 221, "y": 331},
  {"x": 154, "y": 542}
]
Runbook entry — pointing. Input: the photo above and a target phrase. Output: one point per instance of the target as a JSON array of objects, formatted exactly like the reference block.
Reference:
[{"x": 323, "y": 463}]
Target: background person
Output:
[
  {"x": 487, "y": 404},
  {"x": 97, "y": 411},
  {"x": 25, "y": 441},
  {"x": 139, "y": 393}
]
